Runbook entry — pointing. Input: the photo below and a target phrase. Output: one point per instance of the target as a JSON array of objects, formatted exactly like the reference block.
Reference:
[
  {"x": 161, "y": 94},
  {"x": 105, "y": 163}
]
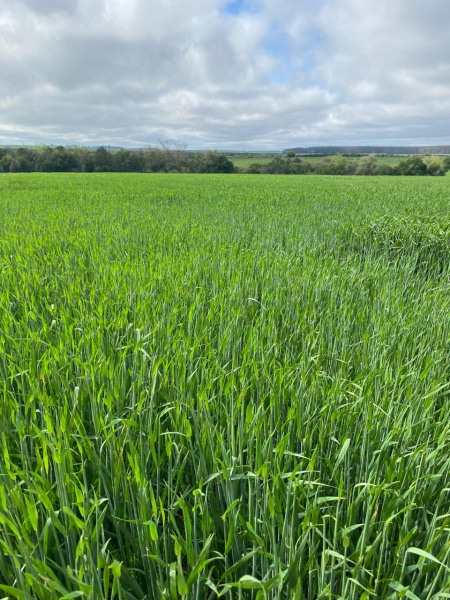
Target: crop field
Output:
[
  {"x": 264, "y": 159},
  {"x": 245, "y": 161},
  {"x": 224, "y": 386}
]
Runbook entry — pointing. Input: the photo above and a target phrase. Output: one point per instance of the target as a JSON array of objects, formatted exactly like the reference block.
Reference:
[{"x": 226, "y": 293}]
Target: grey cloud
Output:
[
  {"x": 131, "y": 71},
  {"x": 45, "y": 7}
]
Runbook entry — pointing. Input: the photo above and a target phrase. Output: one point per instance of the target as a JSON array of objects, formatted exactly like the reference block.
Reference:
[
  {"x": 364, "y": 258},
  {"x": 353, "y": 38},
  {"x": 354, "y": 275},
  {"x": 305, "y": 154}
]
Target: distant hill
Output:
[{"x": 388, "y": 150}]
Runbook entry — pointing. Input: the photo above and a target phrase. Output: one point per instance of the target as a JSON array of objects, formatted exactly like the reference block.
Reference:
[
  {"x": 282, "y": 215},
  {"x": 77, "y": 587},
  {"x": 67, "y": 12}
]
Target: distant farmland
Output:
[{"x": 263, "y": 159}]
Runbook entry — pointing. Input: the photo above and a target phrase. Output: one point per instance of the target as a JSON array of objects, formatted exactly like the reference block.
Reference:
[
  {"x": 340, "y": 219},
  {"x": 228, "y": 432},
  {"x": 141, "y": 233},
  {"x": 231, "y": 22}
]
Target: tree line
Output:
[
  {"x": 340, "y": 165},
  {"x": 168, "y": 157},
  {"x": 358, "y": 150},
  {"x": 172, "y": 157}
]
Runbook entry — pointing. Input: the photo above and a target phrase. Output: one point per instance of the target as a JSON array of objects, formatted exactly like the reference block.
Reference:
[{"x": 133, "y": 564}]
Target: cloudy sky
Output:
[{"x": 225, "y": 74}]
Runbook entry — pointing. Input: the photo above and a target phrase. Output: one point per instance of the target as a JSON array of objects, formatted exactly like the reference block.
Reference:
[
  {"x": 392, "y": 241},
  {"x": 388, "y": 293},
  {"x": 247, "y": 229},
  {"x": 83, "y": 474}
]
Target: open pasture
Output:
[
  {"x": 224, "y": 386},
  {"x": 263, "y": 159}
]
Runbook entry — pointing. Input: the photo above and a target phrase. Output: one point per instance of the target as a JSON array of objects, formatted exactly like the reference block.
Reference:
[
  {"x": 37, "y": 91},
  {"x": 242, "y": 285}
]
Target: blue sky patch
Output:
[
  {"x": 279, "y": 77},
  {"x": 235, "y": 7},
  {"x": 278, "y": 47}
]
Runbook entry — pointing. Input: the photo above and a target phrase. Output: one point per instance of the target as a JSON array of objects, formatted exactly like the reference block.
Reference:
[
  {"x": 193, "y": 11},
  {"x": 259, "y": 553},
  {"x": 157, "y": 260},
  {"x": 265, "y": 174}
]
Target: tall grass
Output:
[{"x": 224, "y": 387}]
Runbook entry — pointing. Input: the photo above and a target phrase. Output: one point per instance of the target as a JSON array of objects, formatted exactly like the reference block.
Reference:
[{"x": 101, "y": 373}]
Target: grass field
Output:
[
  {"x": 244, "y": 162},
  {"x": 224, "y": 386}
]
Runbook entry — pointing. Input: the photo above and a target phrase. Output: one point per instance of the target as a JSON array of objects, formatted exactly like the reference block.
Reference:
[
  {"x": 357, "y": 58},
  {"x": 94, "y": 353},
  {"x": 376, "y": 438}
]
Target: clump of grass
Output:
[{"x": 424, "y": 244}]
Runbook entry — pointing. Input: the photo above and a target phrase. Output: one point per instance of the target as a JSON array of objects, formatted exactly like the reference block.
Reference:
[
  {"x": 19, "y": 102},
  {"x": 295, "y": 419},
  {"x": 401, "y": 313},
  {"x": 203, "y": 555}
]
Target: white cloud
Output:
[{"x": 281, "y": 73}]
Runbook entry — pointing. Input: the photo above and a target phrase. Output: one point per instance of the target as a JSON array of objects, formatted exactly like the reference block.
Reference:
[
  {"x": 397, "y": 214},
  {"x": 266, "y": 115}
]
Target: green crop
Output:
[{"x": 224, "y": 386}]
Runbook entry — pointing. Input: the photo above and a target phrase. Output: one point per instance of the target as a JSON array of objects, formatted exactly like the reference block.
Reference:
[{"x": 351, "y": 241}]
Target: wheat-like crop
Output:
[{"x": 224, "y": 386}]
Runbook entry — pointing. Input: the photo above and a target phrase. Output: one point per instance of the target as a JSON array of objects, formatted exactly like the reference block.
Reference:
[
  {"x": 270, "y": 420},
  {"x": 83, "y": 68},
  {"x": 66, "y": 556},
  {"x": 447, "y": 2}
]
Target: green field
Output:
[
  {"x": 229, "y": 385},
  {"x": 244, "y": 162},
  {"x": 263, "y": 159}
]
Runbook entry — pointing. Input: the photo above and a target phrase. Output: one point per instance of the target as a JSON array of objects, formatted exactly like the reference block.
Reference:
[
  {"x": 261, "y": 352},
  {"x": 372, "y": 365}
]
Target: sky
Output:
[{"x": 225, "y": 74}]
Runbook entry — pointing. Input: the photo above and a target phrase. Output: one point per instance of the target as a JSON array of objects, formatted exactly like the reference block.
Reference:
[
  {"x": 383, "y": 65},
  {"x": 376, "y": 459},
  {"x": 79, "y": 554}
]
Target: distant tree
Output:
[
  {"x": 154, "y": 160},
  {"x": 213, "y": 162},
  {"x": 338, "y": 164},
  {"x": 277, "y": 166},
  {"x": 254, "y": 168},
  {"x": 14, "y": 166},
  {"x": 54, "y": 160},
  {"x": 298, "y": 166},
  {"x": 435, "y": 165},
  {"x": 385, "y": 169},
  {"x": 5, "y": 163},
  {"x": 27, "y": 159},
  {"x": 65, "y": 159},
  {"x": 322, "y": 167},
  {"x": 367, "y": 165},
  {"x": 175, "y": 153},
  {"x": 290, "y": 154},
  {"x": 102, "y": 160},
  {"x": 412, "y": 166},
  {"x": 85, "y": 159},
  {"x": 350, "y": 167},
  {"x": 130, "y": 161}
]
